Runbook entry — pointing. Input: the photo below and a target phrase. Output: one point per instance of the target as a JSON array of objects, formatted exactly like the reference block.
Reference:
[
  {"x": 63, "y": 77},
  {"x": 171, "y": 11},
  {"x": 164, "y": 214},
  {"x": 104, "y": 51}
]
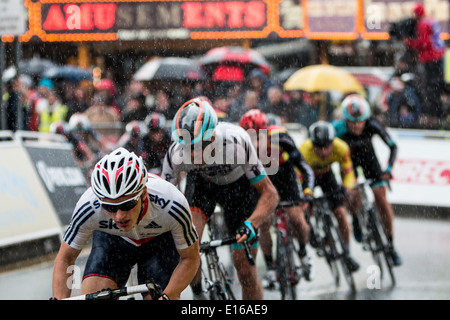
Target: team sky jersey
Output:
[
  {"x": 340, "y": 154},
  {"x": 165, "y": 210},
  {"x": 231, "y": 156},
  {"x": 362, "y": 145}
]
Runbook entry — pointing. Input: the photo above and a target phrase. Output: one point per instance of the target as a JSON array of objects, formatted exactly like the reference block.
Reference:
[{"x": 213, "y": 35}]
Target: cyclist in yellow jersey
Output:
[{"x": 320, "y": 151}]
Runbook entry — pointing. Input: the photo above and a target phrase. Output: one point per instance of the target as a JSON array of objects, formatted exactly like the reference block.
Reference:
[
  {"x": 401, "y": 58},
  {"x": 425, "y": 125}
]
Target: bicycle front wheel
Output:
[
  {"x": 285, "y": 269},
  {"x": 329, "y": 250},
  {"x": 382, "y": 248},
  {"x": 339, "y": 245}
]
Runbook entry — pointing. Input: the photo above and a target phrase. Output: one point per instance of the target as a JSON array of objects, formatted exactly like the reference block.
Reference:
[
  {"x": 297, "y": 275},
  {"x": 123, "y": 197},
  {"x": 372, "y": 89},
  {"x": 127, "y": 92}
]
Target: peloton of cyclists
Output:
[
  {"x": 357, "y": 129},
  {"x": 320, "y": 151},
  {"x": 285, "y": 181},
  {"x": 222, "y": 168}
]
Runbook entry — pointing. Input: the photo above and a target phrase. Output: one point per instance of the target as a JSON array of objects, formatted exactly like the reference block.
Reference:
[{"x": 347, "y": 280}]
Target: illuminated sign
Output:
[
  {"x": 100, "y": 20},
  {"x": 109, "y": 20},
  {"x": 379, "y": 14}
]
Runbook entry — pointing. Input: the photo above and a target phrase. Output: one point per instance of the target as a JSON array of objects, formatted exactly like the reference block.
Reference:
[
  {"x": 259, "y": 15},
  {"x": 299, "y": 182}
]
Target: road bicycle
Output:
[
  {"x": 218, "y": 281},
  {"x": 374, "y": 235},
  {"x": 288, "y": 274},
  {"x": 327, "y": 240},
  {"x": 149, "y": 287}
]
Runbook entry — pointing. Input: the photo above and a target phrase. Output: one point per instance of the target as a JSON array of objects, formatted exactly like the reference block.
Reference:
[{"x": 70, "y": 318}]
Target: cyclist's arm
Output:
[
  {"x": 267, "y": 203},
  {"x": 385, "y": 136},
  {"x": 184, "y": 272},
  {"x": 346, "y": 164},
  {"x": 288, "y": 144},
  {"x": 65, "y": 259}
]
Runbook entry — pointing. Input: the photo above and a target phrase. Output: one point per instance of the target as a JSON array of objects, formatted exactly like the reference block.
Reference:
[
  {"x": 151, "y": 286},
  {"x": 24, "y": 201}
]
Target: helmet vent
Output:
[
  {"x": 106, "y": 184},
  {"x": 119, "y": 181}
]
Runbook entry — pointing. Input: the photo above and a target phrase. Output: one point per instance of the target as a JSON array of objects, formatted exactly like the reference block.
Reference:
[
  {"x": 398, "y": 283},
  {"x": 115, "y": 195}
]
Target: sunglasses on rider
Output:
[{"x": 123, "y": 206}]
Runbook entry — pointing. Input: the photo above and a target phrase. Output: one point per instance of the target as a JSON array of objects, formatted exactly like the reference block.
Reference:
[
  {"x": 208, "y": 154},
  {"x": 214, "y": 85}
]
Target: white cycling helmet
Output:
[{"x": 118, "y": 174}]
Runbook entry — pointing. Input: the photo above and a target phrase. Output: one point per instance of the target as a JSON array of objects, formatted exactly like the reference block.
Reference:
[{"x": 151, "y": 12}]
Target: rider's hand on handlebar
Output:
[
  {"x": 246, "y": 232},
  {"x": 386, "y": 175}
]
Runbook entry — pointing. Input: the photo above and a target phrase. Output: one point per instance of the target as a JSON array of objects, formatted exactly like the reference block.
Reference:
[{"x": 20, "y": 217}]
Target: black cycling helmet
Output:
[{"x": 322, "y": 133}]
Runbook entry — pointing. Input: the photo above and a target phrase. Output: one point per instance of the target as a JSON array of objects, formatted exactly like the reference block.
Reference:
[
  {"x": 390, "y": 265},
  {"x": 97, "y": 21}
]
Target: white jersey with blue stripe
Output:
[
  {"x": 228, "y": 158},
  {"x": 167, "y": 210}
]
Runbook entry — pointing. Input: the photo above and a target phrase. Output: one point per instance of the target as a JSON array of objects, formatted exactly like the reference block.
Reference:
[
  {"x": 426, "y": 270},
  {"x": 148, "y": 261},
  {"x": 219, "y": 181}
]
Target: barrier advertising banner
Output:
[
  {"x": 26, "y": 212},
  {"x": 422, "y": 170},
  {"x": 62, "y": 178}
]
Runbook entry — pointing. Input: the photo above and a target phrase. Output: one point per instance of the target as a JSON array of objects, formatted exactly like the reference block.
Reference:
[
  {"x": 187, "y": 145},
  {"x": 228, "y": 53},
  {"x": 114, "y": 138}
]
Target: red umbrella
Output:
[
  {"x": 228, "y": 73},
  {"x": 231, "y": 55}
]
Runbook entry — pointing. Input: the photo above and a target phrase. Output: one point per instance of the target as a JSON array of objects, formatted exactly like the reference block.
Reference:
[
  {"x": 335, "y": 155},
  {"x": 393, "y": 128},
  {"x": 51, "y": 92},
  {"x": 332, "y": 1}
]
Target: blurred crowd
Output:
[
  {"x": 97, "y": 116},
  {"x": 105, "y": 116}
]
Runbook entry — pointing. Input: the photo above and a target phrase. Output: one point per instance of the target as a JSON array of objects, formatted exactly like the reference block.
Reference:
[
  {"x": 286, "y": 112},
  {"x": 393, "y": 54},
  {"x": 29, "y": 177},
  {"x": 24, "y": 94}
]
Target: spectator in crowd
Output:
[
  {"x": 404, "y": 106},
  {"x": 296, "y": 103},
  {"x": 107, "y": 89},
  {"x": 315, "y": 110},
  {"x": 276, "y": 103},
  {"x": 78, "y": 101},
  {"x": 181, "y": 92},
  {"x": 51, "y": 110},
  {"x": 102, "y": 116},
  {"x": 135, "y": 109},
  {"x": 36, "y": 97},
  {"x": 430, "y": 49},
  {"x": 134, "y": 88},
  {"x": 163, "y": 104},
  {"x": 250, "y": 101},
  {"x": 259, "y": 84},
  {"x": 16, "y": 102},
  {"x": 240, "y": 105},
  {"x": 221, "y": 105}
]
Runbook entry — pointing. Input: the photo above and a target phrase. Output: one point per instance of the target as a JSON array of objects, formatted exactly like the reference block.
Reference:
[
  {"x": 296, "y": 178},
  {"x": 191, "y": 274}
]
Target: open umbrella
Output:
[
  {"x": 34, "y": 66},
  {"x": 170, "y": 68},
  {"x": 323, "y": 78},
  {"x": 68, "y": 73},
  {"x": 233, "y": 55}
]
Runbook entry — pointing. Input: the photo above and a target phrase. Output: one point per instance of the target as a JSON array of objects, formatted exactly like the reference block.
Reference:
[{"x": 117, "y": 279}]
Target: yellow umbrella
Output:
[{"x": 323, "y": 77}]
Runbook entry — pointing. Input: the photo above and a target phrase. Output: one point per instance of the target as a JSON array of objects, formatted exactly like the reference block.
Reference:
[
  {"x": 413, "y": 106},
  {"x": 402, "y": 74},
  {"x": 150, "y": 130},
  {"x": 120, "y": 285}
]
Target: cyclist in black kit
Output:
[
  {"x": 357, "y": 129},
  {"x": 285, "y": 181},
  {"x": 223, "y": 168}
]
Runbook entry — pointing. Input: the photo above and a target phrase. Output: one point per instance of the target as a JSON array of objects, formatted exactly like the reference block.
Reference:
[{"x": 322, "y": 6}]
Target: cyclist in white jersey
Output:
[
  {"x": 223, "y": 168},
  {"x": 135, "y": 217}
]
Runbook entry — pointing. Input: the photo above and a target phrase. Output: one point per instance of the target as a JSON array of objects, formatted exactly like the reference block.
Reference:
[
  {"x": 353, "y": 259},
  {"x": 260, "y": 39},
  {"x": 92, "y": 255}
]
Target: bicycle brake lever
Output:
[{"x": 249, "y": 254}]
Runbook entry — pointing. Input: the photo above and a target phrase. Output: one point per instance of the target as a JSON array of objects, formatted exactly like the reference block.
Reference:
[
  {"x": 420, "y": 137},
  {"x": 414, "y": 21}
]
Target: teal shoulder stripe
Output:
[{"x": 259, "y": 177}]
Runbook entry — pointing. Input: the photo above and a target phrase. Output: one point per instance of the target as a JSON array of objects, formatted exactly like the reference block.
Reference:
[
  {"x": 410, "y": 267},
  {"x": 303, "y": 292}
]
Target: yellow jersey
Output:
[{"x": 340, "y": 154}]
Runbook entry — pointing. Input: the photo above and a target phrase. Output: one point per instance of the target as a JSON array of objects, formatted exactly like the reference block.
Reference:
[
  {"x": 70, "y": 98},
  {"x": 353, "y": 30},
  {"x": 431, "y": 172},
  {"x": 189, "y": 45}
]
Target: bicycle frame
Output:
[
  {"x": 375, "y": 238},
  {"x": 287, "y": 272},
  {"x": 330, "y": 241},
  {"x": 218, "y": 283}
]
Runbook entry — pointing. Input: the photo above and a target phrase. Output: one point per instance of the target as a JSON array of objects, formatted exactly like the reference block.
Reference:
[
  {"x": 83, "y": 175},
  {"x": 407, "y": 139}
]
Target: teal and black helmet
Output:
[
  {"x": 355, "y": 108},
  {"x": 194, "y": 121}
]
